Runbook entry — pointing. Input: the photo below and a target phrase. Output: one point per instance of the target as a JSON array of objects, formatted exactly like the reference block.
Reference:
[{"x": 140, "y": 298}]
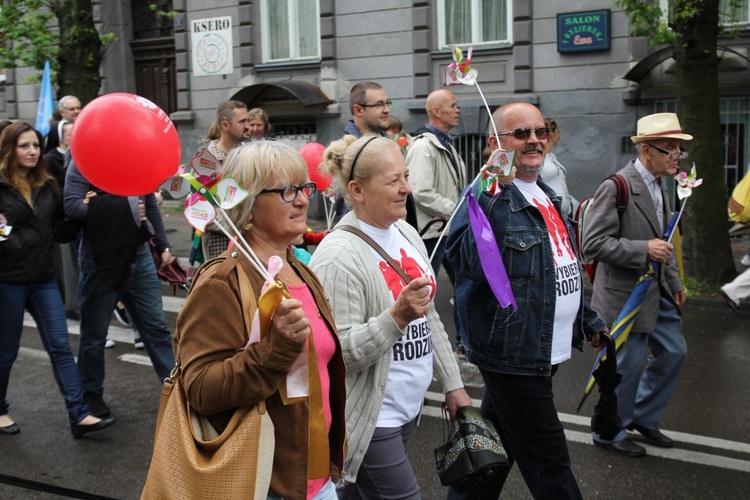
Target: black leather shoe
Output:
[
  {"x": 653, "y": 436},
  {"x": 81, "y": 430},
  {"x": 10, "y": 429},
  {"x": 731, "y": 303},
  {"x": 624, "y": 447},
  {"x": 97, "y": 406}
]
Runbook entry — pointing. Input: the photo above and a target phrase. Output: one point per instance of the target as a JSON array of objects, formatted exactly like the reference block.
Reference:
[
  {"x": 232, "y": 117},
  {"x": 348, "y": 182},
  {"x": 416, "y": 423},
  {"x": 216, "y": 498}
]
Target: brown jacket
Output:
[{"x": 219, "y": 377}]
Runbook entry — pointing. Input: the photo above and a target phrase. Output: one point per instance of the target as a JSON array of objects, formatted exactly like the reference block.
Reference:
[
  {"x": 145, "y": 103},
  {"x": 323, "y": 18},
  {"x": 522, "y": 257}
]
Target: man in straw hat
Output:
[{"x": 623, "y": 244}]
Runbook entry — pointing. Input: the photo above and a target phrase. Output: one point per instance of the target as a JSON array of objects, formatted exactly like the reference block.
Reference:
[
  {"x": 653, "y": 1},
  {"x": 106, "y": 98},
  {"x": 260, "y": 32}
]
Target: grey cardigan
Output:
[{"x": 360, "y": 300}]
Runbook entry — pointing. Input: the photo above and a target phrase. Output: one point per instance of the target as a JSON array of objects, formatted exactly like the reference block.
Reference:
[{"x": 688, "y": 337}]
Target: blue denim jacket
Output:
[{"x": 496, "y": 338}]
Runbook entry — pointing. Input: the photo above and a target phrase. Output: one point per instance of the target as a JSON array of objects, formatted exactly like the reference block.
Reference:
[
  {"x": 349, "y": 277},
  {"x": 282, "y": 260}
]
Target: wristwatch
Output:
[{"x": 167, "y": 250}]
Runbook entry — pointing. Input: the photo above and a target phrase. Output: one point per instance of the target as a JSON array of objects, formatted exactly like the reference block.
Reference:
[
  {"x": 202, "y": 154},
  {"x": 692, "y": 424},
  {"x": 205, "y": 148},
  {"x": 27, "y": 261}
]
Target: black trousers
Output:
[{"x": 524, "y": 413}]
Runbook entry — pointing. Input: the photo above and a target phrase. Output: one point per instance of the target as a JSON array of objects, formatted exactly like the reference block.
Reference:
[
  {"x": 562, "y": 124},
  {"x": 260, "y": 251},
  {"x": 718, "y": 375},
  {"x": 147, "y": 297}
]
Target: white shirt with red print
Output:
[
  {"x": 410, "y": 373},
  {"x": 567, "y": 272}
]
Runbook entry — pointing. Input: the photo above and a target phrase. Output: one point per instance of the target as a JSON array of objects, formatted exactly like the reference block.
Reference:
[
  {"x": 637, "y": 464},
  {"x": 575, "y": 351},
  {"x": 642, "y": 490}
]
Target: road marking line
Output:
[
  {"x": 138, "y": 359},
  {"x": 682, "y": 437},
  {"x": 693, "y": 457}
]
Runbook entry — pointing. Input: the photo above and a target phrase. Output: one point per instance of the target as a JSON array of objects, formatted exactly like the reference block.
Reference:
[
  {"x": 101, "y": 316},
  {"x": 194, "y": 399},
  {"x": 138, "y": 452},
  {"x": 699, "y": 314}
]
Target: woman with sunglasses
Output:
[
  {"x": 381, "y": 295},
  {"x": 220, "y": 376},
  {"x": 31, "y": 221}
]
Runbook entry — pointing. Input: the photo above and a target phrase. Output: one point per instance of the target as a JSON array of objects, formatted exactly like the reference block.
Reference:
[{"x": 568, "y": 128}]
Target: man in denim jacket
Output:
[{"x": 518, "y": 352}]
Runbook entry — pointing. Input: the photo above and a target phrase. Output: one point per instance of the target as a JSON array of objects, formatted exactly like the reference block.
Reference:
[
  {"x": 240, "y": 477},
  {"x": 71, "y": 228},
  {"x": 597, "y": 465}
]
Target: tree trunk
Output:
[
  {"x": 707, "y": 249},
  {"x": 80, "y": 53}
]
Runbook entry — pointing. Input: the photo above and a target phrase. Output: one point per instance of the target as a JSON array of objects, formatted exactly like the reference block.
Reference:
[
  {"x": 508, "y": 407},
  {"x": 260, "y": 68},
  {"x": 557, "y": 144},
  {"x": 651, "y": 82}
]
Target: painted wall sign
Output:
[
  {"x": 211, "y": 41},
  {"x": 583, "y": 31}
]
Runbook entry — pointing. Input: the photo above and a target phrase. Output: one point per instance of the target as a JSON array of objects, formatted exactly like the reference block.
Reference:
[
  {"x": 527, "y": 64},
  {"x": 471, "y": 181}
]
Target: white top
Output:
[
  {"x": 554, "y": 175},
  {"x": 410, "y": 373},
  {"x": 567, "y": 272}
]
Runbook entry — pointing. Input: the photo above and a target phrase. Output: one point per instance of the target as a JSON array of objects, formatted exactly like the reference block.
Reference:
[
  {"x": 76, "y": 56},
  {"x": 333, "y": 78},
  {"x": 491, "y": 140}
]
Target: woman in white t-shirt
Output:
[{"x": 391, "y": 336}]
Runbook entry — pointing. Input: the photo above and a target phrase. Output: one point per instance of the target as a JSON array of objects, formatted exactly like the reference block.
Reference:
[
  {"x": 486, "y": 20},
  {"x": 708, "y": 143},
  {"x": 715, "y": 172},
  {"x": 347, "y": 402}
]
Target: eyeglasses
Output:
[
  {"x": 379, "y": 104},
  {"x": 673, "y": 155},
  {"x": 524, "y": 133},
  {"x": 289, "y": 193}
]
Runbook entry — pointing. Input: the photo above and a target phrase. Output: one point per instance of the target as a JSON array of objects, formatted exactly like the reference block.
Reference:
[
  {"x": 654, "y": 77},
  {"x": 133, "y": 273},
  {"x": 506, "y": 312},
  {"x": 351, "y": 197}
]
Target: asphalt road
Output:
[{"x": 708, "y": 418}]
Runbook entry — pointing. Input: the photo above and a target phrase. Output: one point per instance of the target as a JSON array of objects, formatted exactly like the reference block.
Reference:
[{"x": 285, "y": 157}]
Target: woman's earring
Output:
[{"x": 248, "y": 226}]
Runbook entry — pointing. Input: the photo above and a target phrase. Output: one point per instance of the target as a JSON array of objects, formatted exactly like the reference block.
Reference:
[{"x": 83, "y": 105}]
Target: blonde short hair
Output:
[
  {"x": 256, "y": 166},
  {"x": 338, "y": 158}
]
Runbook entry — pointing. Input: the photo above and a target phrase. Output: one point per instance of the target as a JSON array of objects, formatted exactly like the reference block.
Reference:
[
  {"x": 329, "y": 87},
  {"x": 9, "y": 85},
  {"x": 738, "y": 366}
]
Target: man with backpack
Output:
[{"x": 623, "y": 243}]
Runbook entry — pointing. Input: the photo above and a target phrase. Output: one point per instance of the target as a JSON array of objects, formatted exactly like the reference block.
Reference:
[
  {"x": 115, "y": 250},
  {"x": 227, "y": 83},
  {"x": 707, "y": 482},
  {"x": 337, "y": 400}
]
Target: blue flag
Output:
[{"x": 46, "y": 102}]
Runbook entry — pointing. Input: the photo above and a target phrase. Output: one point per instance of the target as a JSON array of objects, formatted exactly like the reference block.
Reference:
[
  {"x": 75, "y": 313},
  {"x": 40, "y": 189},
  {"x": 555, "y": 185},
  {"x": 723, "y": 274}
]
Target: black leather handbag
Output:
[{"x": 473, "y": 453}]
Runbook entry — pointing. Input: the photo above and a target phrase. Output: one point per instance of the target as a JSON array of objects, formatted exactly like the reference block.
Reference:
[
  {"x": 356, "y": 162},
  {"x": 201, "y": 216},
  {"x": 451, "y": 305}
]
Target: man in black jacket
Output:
[{"x": 116, "y": 264}]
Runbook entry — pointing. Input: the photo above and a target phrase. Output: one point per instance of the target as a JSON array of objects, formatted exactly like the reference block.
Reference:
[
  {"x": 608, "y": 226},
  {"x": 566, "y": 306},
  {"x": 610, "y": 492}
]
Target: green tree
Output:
[
  {"x": 74, "y": 50},
  {"x": 692, "y": 30}
]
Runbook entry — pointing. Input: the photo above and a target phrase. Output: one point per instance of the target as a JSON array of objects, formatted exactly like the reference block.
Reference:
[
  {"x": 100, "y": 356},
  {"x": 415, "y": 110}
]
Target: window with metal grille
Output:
[{"x": 470, "y": 147}]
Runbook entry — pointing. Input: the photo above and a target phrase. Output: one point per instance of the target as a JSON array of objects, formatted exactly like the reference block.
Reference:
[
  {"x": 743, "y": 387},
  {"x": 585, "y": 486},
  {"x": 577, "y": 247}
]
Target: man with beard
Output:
[
  {"x": 624, "y": 245},
  {"x": 233, "y": 123},
  {"x": 518, "y": 351}
]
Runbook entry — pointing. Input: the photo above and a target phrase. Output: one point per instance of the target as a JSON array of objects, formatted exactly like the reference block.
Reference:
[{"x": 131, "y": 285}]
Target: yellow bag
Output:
[
  {"x": 192, "y": 461},
  {"x": 739, "y": 203}
]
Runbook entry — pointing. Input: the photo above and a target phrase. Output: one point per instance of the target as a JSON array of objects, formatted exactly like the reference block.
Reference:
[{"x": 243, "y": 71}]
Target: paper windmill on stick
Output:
[{"x": 459, "y": 72}]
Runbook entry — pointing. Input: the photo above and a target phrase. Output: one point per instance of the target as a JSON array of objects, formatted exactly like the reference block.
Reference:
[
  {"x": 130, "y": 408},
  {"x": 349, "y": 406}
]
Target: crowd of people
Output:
[{"x": 362, "y": 308}]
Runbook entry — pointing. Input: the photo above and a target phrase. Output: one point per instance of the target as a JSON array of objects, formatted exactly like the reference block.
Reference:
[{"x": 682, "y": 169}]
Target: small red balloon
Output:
[
  {"x": 125, "y": 145},
  {"x": 402, "y": 141},
  {"x": 312, "y": 152}
]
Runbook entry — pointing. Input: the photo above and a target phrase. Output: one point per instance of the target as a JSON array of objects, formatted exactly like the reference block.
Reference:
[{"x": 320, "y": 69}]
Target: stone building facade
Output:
[{"x": 298, "y": 59}]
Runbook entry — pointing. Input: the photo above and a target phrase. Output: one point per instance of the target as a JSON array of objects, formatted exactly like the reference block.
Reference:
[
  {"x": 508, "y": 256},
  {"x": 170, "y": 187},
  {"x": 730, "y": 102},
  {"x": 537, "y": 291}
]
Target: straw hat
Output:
[{"x": 660, "y": 126}]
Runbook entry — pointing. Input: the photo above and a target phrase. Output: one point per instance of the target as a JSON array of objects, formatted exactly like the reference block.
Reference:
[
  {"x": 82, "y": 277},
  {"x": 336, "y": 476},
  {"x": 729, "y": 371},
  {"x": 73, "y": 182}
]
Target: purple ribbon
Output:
[{"x": 489, "y": 254}]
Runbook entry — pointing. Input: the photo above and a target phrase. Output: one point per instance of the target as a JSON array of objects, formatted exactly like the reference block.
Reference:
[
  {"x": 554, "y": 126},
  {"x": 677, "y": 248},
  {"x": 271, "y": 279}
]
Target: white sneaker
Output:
[
  {"x": 109, "y": 343},
  {"x": 745, "y": 260},
  {"x": 138, "y": 342}
]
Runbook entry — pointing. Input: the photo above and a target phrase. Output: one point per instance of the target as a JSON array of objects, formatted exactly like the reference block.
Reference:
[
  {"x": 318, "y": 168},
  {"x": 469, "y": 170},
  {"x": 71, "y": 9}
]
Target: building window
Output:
[
  {"x": 728, "y": 15},
  {"x": 738, "y": 15},
  {"x": 290, "y": 30},
  {"x": 474, "y": 22}
]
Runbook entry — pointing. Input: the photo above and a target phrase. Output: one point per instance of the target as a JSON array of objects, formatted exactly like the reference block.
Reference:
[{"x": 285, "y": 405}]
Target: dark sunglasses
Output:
[
  {"x": 289, "y": 193},
  {"x": 524, "y": 133}
]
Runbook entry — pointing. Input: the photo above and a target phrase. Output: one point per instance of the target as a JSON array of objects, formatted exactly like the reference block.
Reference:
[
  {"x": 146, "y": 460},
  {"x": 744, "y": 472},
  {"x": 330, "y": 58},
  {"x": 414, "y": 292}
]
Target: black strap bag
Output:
[{"x": 473, "y": 453}]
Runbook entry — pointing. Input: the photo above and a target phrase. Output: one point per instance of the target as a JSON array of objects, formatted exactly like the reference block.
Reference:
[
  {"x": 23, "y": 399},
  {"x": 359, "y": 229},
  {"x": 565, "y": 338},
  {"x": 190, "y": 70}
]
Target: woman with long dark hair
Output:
[{"x": 31, "y": 220}]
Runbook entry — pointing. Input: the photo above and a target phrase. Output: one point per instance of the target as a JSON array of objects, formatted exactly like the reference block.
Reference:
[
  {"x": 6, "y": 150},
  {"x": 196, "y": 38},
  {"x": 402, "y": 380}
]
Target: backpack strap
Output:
[{"x": 621, "y": 199}]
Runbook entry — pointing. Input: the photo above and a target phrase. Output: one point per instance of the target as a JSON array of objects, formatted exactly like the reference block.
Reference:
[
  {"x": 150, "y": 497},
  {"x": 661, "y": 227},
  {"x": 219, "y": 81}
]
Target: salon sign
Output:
[{"x": 583, "y": 31}]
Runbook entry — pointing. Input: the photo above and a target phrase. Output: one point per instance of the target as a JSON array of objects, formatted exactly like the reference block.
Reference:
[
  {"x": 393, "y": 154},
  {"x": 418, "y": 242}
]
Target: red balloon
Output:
[
  {"x": 125, "y": 145},
  {"x": 312, "y": 152}
]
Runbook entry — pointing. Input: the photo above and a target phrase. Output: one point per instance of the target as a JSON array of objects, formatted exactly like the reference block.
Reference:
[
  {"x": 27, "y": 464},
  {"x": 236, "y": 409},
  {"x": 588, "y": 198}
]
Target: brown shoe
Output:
[
  {"x": 653, "y": 436},
  {"x": 623, "y": 447}
]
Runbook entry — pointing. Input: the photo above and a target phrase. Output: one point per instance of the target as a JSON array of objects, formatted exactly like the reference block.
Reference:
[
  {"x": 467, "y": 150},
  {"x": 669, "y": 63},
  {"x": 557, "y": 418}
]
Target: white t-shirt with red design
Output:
[
  {"x": 567, "y": 272},
  {"x": 411, "y": 356}
]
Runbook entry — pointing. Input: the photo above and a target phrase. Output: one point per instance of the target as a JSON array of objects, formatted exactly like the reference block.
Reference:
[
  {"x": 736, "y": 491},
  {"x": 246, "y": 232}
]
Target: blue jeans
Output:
[
  {"x": 141, "y": 295},
  {"x": 644, "y": 392},
  {"x": 44, "y": 303}
]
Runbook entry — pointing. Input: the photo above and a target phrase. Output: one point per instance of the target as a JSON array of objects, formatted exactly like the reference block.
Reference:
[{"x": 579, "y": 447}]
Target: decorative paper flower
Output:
[
  {"x": 209, "y": 190},
  {"x": 4, "y": 228},
  {"x": 686, "y": 183},
  {"x": 459, "y": 72}
]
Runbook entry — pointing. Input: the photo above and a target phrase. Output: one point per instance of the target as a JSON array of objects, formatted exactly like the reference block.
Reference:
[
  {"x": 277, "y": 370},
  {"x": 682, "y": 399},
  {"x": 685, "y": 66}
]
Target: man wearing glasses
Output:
[
  {"x": 370, "y": 107},
  {"x": 623, "y": 245},
  {"x": 518, "y": 351}
]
